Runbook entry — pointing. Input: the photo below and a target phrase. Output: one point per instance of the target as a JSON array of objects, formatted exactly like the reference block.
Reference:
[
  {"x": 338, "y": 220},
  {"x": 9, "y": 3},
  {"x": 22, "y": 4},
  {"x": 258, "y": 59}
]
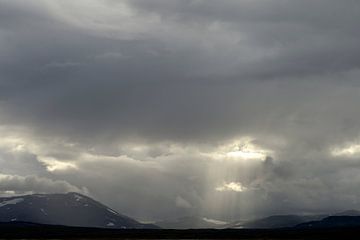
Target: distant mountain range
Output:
[
  {"x": 277, "y": 221},
  {"x": 71, "y": 209},
  {"x": 271, "y": 222},
  {"x": 191, "y": 222},
  {"x": 332, "y": 222},
  {"x": 347, "y": 213},
  {"x": 74, "y": 209}
]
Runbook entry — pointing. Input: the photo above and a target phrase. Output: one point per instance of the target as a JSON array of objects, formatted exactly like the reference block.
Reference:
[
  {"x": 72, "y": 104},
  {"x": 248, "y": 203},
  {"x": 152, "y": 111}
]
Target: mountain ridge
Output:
[
  {"x": 78, "y": 210},
  {"x": 70, "y": 209},
  {"x": 332, "y": 222},
  {"x": 191, "y": 222}
]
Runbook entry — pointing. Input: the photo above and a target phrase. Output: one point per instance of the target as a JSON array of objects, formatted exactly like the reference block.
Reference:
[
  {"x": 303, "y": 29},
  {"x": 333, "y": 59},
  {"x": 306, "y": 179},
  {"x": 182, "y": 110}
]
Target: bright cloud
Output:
[
  {"x": 242, "y": 149},
  {"x": 349, "y": 150},
  {"x": 231, "y": 186},
  {"x": 53, "y": 164}
]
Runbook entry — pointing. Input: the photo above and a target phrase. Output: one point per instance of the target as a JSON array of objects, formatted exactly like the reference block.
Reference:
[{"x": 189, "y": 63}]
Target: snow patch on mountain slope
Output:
[
  {"x": 78, "y": 197},
  {"x": 43, "y": 211},
  {"x": 112, "y": 211},
  {"x": 12, "y": 201},
  {"x": 40, "y": 195},
  {"x": 110, "y": 224}
]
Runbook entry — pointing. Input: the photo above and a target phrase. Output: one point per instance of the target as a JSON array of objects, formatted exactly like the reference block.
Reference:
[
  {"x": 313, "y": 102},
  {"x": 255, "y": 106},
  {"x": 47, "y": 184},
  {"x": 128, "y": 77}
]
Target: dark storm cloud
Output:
[
  {"x": 302, "y": 38},
  {"x": 144, "y": 92}
]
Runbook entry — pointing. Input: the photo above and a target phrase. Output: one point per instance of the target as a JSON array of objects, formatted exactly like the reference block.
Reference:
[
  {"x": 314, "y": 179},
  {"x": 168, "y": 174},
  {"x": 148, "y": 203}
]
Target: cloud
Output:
[
  {"x": 145, "y": 101},
  {"x": 231, "y": 186},
  {"x": 182, "y": 203},
  {"x": 351, "y": 150},
  {"x": 34, "y": 184}
]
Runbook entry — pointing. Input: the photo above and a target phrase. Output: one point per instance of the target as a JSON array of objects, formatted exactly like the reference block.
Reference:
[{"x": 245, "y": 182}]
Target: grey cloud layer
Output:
[
  {"x": 88, "y": 82},
  {"x": 34, "y": 184}
]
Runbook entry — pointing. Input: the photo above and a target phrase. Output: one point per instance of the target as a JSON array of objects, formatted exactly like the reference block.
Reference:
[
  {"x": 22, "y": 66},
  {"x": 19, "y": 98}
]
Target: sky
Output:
[{"x": 164, "y": 108}]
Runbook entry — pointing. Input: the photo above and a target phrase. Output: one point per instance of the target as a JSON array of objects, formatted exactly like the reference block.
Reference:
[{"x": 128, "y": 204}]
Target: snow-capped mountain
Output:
[{"x": 71, "y": 209}]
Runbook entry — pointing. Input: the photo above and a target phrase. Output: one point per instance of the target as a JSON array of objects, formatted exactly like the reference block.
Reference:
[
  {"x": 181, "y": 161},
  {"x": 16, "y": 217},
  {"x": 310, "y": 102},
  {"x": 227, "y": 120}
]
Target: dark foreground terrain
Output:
[{"x": 22, "y": 230}]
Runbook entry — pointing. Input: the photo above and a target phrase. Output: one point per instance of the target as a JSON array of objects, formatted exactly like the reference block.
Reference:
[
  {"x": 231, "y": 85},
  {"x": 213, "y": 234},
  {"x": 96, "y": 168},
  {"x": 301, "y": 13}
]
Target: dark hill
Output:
[{"x": 71, "y": 209}]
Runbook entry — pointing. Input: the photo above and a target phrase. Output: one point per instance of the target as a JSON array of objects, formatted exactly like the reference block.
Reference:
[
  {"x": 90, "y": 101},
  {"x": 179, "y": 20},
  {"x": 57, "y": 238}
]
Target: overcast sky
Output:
[{"x": 163, "y": 108}]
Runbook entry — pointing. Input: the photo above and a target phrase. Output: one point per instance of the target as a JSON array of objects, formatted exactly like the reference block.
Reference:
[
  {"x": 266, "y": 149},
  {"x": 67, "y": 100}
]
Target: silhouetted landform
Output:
[
  {"x": 277, "y": 221},
  {"x": 333, "y": 222},
  {"x": 71, "y": 209},
  {"x": 77, "y": 210},
  {"x": 348, "y": 213},
  {"x": 22, "y": 230},
  {"x": 286, "y": 221},
  {"x": 191, "y": 222}
]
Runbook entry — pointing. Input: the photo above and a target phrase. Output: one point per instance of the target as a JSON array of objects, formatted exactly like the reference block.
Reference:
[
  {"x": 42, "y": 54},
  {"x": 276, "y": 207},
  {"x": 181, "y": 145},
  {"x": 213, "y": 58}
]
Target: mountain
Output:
[
  {"x": 332, "y": 222},
  {"x": 276, "y": 221},
  {"x": 71, "y": 209},
  {"x": 191, "y": 222},
  {"x": 270, "y": 222},
  {"x": 348, "y": 213}
]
